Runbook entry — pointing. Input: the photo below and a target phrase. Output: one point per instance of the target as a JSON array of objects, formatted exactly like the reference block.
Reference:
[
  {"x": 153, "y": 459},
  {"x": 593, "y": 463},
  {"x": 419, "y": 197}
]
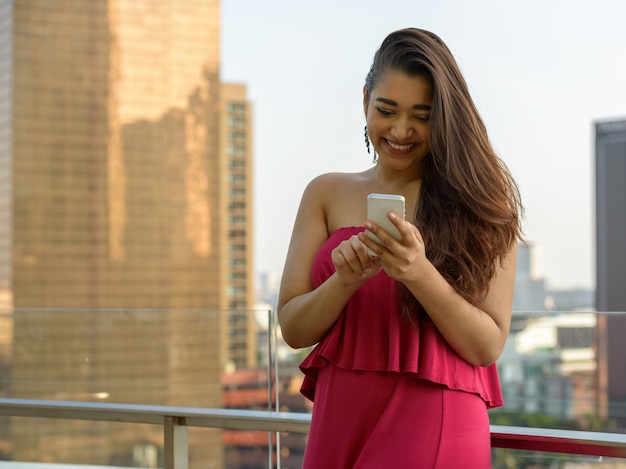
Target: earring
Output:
[{"x": 367, "y": 144}]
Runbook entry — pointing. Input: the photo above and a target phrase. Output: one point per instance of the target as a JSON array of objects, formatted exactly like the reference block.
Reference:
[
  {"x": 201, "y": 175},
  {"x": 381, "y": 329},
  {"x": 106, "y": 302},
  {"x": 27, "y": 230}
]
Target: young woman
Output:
[{"x": 404, "y": 370}]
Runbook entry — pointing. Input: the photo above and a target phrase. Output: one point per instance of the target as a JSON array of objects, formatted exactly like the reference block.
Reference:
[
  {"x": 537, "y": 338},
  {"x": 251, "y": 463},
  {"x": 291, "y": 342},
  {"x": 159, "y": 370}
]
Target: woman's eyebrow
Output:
[
  {"x": 390, "y": 102},
  {"x": 417, "y": 107}
]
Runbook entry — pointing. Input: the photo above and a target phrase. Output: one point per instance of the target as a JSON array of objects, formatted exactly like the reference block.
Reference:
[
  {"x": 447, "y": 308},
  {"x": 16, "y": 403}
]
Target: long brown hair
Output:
[{"x": 469, "y": 207}]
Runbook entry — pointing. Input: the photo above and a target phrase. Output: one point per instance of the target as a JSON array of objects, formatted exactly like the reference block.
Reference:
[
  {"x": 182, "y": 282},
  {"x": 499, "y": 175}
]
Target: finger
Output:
[
  {"x": 373, "y": 248},
  {"x": 362, "y": 254},
  {"x": 360, "y": 250},
  {"x": 414, "y": 235},
  {"x": 400, "y": 223},
  {"x": 382, "y": 238},
  {"x": 418, "y": 234},
  {"x": 346, "y": 256},
  {"x": 340, "y": 262}
]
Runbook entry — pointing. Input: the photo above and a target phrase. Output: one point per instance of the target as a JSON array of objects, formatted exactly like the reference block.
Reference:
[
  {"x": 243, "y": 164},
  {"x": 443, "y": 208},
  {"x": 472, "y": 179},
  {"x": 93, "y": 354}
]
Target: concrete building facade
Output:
[
  {"x": 610, "y": 159},
  {"x": 116, "y": 211},
  {"x": 240, "y": 344}
]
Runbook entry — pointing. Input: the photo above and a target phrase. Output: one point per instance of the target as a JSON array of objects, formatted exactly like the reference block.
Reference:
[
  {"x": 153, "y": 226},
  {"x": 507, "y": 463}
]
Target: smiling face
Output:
[{"x": 398, "y": 119}]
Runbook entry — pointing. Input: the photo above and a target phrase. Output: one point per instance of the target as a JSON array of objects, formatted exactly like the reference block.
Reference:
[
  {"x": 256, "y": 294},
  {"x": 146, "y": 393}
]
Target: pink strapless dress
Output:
[{"x": 390, "y": 390}]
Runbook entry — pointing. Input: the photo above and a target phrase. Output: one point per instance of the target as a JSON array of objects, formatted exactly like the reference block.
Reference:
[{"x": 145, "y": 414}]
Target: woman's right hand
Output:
[{"x": 353, "y": 264}]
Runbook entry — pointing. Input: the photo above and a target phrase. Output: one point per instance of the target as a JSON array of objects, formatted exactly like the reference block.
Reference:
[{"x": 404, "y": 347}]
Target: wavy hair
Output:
[{"x": 469, "y": 208}]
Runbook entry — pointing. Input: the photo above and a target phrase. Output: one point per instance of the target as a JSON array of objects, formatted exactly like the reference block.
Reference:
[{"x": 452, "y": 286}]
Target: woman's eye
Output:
[
  {"x": 384, "y": 112},
  {"x": 423, "y": 118}
]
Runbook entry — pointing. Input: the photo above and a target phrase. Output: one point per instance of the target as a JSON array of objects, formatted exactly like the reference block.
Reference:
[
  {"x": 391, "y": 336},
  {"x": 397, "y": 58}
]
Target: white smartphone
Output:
[{"x": 378, "y": 208}]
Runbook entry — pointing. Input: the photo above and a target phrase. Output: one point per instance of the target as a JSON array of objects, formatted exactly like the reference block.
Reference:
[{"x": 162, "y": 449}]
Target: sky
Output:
[{"x": 541, "y": 72}]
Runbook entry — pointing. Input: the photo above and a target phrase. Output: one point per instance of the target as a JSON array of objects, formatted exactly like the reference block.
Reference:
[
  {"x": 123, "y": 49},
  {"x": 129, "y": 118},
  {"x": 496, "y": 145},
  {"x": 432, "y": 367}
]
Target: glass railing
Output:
[
  {"x": 192, "y": 358},
  {"x": 75, "y": 377}
]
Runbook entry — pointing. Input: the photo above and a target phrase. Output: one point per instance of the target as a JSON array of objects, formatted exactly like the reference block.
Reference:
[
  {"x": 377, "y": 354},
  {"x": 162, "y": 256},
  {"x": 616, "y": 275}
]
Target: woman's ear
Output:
[{"x": 365, "y": 101}]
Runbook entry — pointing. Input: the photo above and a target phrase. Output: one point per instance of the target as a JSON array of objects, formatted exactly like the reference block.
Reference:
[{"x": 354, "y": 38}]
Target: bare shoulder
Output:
[
  {"x": 333, "y": 187},
  {"x": 318, "y": 199},
  {"x": 328, "y": 202},
  {"x": 335, "y": 182},
  {"x": 310, "y": 231},
  {"x": 341, "y": 197}
]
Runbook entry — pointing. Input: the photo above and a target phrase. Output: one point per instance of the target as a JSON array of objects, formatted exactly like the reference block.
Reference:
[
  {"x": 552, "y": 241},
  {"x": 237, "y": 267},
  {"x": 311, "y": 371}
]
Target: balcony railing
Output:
[
  {"x": 175, "y": 421},
  {"x": 137, "y": 368}
]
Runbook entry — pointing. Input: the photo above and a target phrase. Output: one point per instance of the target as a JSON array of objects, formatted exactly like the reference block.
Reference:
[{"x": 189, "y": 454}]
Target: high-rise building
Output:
[
  {"x": 240, "y": 343},
  {"x": 113, "y": 155},
  {"x": 611, "y": 267},
  {"x": 530, "y": 289},
  {"x": 115, "y": 194}
]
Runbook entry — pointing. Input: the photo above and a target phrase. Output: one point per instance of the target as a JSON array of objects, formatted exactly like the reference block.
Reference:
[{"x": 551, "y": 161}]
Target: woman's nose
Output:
[{"x": 402, "y": 129}]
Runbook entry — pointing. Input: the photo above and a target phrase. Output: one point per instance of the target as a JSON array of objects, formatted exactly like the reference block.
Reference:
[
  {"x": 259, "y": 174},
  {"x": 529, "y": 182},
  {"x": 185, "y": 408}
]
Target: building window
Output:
[{"x": 236, "y": 107}]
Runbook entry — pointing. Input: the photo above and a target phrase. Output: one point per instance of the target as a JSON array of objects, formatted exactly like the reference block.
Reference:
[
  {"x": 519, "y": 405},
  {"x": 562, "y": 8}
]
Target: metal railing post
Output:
[
  {"x": 273, "y": 338},
  {"x": 175, "y": 443}
]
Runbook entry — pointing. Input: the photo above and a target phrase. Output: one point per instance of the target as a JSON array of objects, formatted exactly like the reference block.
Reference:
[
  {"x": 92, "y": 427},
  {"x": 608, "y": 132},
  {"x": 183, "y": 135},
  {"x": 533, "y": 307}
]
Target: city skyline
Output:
[
  {"x": 541, "y": 74},
  {"x": 131, "y": 236}
]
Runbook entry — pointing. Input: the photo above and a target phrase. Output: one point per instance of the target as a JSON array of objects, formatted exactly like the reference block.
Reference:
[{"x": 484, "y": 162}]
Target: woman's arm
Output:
[
  {"x": 306, "y": 314},
  {"x": 477, "y": 333}
]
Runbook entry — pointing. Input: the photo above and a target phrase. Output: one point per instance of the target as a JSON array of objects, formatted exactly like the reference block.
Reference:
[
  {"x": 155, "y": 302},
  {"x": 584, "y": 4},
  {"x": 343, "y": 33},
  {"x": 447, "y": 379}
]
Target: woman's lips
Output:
[{"x": 400, "y": 147}]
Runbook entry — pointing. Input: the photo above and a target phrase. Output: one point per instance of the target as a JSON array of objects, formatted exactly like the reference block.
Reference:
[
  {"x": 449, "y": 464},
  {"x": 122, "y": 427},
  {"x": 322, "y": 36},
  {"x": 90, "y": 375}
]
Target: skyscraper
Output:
[
  {"x": 530, "y": 290},
  {"x": 113, "y": 163},
  {"x": 611, "y": 215},
  {"x": 611, "y": 266},
  {"x": 113, "y": 195},
  {"x": 236, "y": 148}
]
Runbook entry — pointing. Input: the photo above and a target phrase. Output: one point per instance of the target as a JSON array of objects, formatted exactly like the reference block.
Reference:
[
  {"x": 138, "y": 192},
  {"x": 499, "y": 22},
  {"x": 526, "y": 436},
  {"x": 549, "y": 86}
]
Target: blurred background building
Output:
[
  {"x": 125, "y": 184},
  {"x": 570, "y": 365},
  {"x": 530, "y": 285},
  {"x": 611, "y": 265},
  {"x": 236, "y": 153},
  {"x": 113, "y": 163}
]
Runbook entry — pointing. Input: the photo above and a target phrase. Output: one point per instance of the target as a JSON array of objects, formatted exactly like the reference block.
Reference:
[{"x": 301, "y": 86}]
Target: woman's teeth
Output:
[{"x": 395, "y": 146}]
